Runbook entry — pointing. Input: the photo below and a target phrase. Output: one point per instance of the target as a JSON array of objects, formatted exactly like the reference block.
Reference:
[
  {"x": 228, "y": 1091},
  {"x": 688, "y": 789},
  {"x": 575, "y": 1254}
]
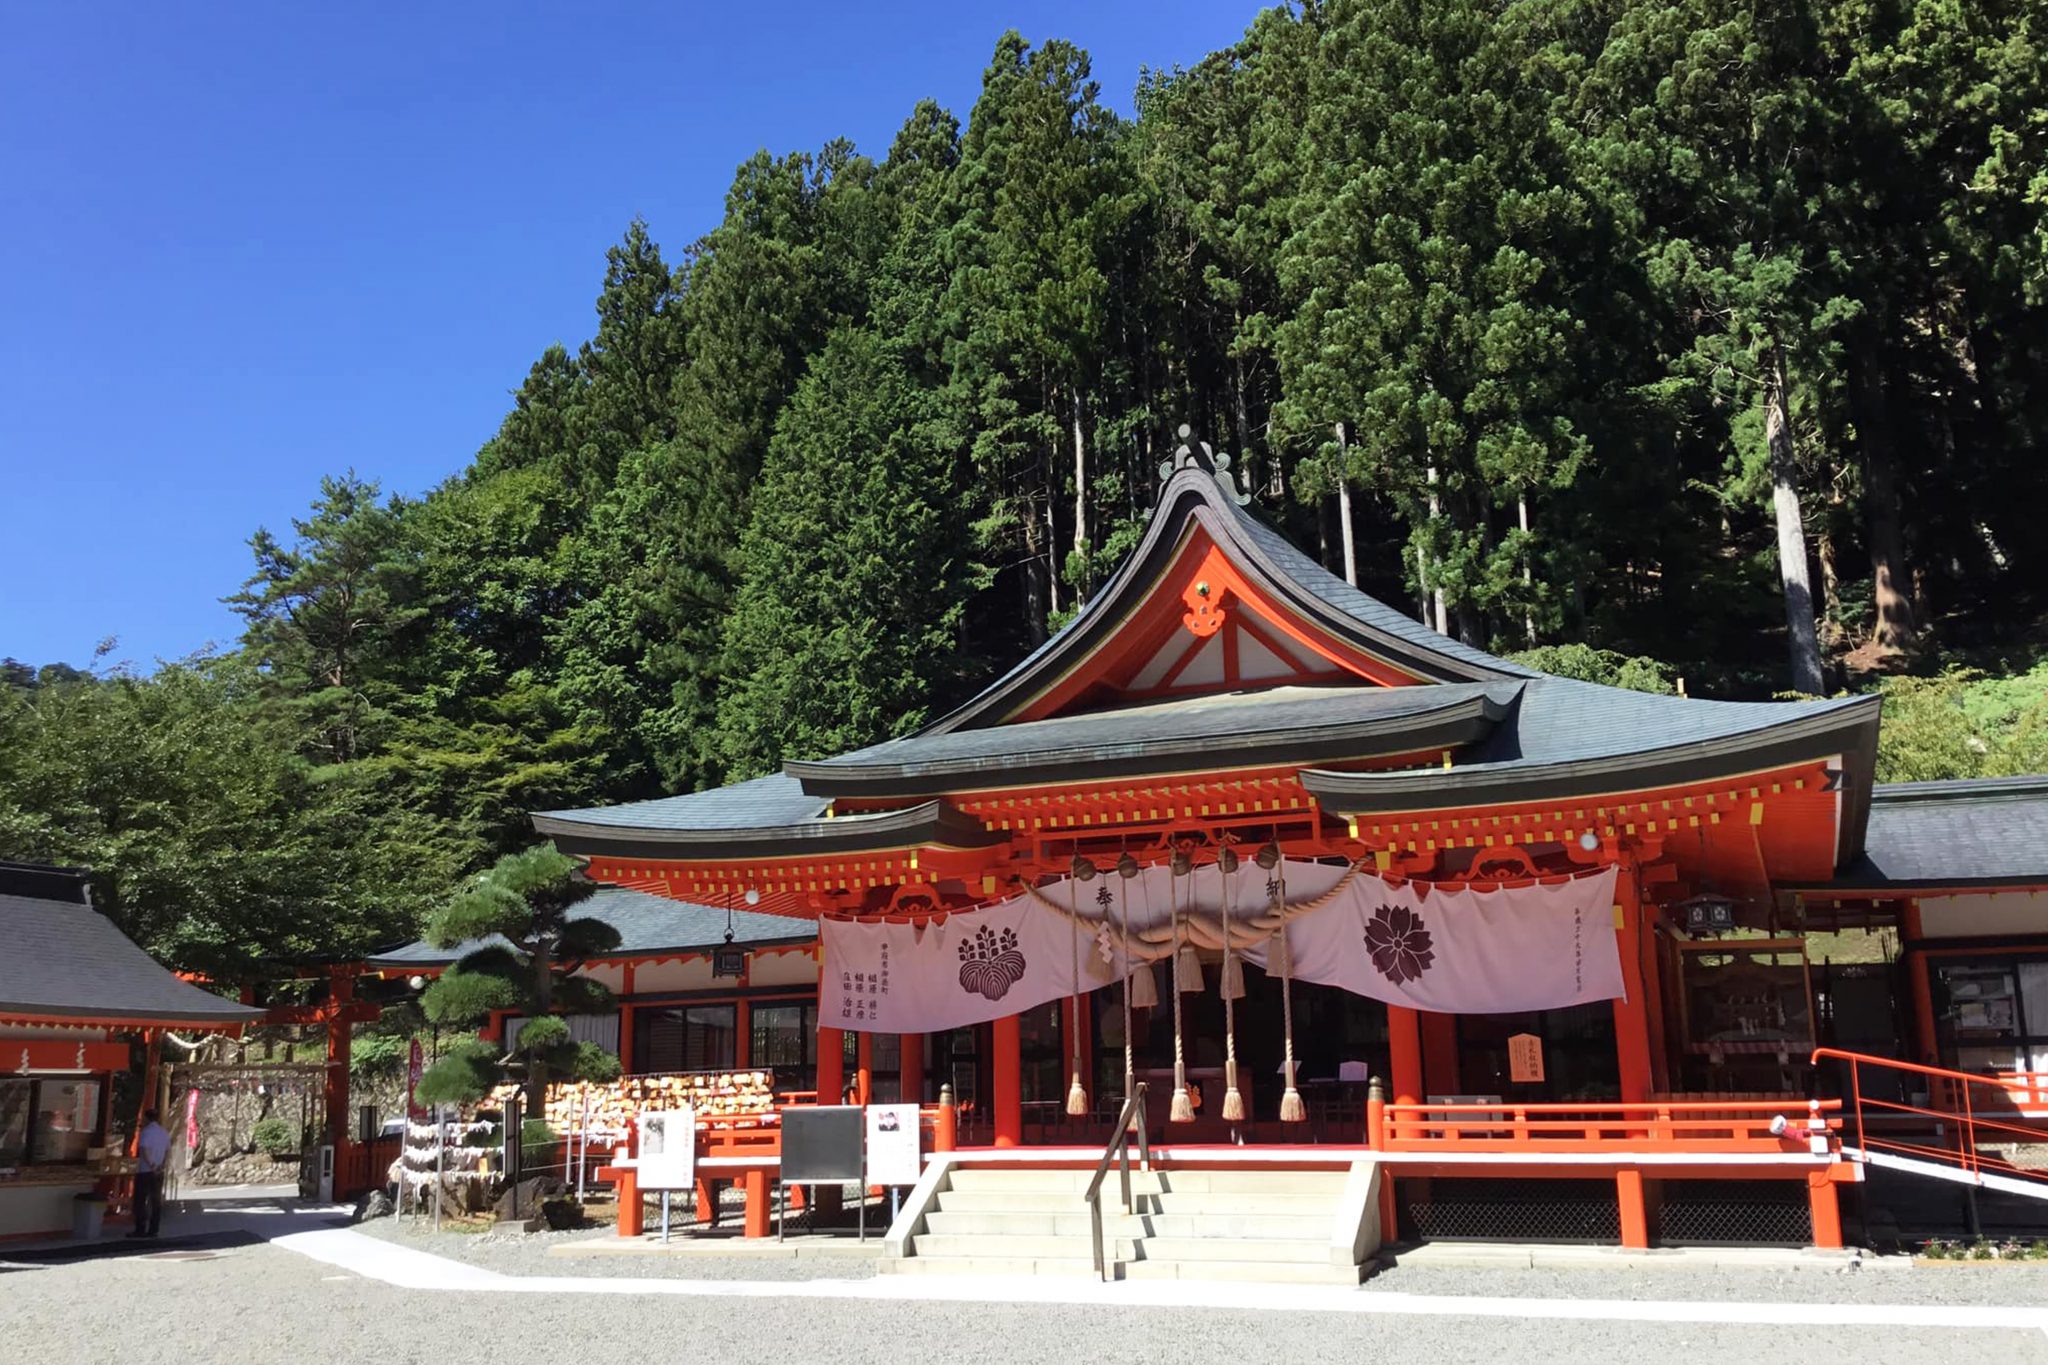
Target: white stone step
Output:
[
  {"x": 1329, "y": 1183},
  {"x": 1205, "y": 1248},
  {"x": 999, "y": 1178},
  {"x": 1012, "y": 1201},
  {"x": 1312, "y": 1227},
  {"x": 986, "y": 1265},
  {"x": 1011, "y": 1224},
  {"x": 1256, "y": 1272},
  {"x": 1021, "y": 1248},
  {"x": 1245, "y": 1204}
]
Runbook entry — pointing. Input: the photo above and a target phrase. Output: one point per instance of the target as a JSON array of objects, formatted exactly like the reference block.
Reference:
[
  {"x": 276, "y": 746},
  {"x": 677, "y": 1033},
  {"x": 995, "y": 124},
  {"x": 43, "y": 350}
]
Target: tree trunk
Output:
[
  {"x": 1344, "y": 507},
  {"x": 1443, "y": 619},
  {"x": 1241, "y": 415},
  {"x": 1035, "y": 594},
  {"x": 1804, "y": 642},
  {"x": 1421, "y": 585},
  {"x": 1080, "y": 492},
  {"x": 1528, "y": 575},
  {"x": 1895, "y": 627}
]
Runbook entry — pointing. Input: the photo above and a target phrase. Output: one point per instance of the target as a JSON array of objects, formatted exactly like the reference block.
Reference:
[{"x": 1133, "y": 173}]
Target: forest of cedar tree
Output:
[{"x": 1668, "y": 344}]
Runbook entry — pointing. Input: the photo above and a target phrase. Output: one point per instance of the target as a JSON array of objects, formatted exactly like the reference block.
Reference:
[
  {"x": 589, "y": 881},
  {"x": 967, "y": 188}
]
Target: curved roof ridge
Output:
[{"x": 1192, "y": 496}]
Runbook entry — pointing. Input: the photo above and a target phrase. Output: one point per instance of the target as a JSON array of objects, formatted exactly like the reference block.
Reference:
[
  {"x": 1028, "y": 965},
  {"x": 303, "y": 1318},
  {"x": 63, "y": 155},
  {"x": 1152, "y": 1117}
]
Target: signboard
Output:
[
  {"x": 821, "y": 1143},
  {"x": 414, "y": 1066},
  {"x": 1525, "y": 1059},
  {"x": 894, "y": 1157},
  {"x": 667, "y": 1155}
]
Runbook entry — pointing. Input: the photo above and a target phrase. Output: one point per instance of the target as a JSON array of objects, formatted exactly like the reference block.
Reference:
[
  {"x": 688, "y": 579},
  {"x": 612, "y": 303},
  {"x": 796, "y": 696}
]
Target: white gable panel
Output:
[{"x": 1255, "y": 662}]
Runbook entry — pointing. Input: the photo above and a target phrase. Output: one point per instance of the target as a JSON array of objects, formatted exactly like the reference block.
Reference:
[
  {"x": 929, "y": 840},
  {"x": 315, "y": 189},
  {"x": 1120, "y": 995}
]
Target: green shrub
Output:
[
  {"x": 536, "y": 1133},
  {"x": 275, "y": 1136}
]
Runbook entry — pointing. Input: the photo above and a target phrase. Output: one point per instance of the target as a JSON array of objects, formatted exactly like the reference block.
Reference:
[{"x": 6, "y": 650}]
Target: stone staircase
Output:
[{"x": 1241, "y": 1225}]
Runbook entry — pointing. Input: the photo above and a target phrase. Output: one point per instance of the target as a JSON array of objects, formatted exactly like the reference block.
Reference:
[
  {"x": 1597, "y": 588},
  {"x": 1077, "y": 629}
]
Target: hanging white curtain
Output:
[{"x": 1541, "y": 946}]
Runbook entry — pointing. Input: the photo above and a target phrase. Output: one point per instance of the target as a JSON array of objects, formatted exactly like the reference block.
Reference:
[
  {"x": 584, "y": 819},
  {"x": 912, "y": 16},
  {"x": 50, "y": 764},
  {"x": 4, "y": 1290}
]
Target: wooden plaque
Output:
[{"x": 1525, "y": 1059}]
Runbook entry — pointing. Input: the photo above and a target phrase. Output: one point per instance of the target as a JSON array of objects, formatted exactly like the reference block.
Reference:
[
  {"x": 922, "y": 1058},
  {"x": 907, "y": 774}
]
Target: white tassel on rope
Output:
[
  {"x": 1144, "y": 987},
  {"x": 1127, "y": 868},
  {"x": 1183, "y": 1107},
  {"x": 1077, "y": 1094},
  {"x": 1233, "y": 1099}
]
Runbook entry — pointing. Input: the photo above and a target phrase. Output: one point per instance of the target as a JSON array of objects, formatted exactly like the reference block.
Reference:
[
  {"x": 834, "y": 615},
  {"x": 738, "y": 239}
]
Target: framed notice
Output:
[
  {"x": 821, "y": 1143},
  {"x": 894, "y": 1157},
  {"x": 667, "y": 1156},
  {"x": 1525, "y": 1059}
]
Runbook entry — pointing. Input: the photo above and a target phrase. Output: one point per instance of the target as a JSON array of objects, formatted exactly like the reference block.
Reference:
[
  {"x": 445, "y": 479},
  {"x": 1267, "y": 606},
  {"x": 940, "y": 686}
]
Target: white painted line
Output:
[{"x": 419, "y": 1270}]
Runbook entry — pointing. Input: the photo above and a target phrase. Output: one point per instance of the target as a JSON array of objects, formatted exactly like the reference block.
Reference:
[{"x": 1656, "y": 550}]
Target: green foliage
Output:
[
  {"x": 524, "y": 905},
  {"x": 274, "y": 1136},
  {"x": 465, "y": 1072},
  {"x": 1961, "y": 725},
  {"x": 883, "y": 425},
  {"x": 1588, "y": 664}
]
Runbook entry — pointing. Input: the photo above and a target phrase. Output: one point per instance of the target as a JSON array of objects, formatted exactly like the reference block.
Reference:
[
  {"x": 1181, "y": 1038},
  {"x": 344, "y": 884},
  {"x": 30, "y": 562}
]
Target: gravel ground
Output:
[
  {"x": 527, "y": 1254},
  {"x": 262, "y": 1305},
  {"x": 1948, "y": 1283}
]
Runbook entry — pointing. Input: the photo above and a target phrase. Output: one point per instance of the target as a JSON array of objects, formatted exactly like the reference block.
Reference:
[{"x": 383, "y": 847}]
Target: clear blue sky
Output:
[{"x": 245, "y": 245}]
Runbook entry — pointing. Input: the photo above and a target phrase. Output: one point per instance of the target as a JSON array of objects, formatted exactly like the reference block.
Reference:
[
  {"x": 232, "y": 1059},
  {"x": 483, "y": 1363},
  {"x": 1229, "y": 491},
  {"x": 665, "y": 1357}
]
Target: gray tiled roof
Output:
[
  {"x": 1187, "y": 722},
  {"x": 1565, "y": 720},
  {"x": 63, "y": 958},
  {"x": 1986, "y": 832},
  {"x": 646, "y": 924},
  {"x": 765, "y": 802}
]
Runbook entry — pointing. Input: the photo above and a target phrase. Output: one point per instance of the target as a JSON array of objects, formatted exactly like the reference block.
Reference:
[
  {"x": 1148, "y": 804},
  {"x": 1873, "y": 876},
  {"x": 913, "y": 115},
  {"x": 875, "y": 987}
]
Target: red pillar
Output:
[
  {"x": 626, "y": 1008},
  {"x": 1826, "y": 1209},
  {"x": 1632, "y": 1013},
  {"x": 1635, "y": 1210},
  {"x": 910, "y": 1068},
  {"x": 341, "y": 989},
  {"x": 864, "y": 1069},
  {"x": 1439, "y": 1053},
  {"x": 1009, "y": 1081},
  {"x": 742, "y": 1035},
  {"x": 1404, "y": 1044},
  {"x": 831, "y": 1065},
  {"x": 1926, "y": 1042}
]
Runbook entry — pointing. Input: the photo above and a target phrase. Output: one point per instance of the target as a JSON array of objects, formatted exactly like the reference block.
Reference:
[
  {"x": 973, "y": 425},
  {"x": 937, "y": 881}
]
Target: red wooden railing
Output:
[
  {"x": 1961, "y": 1113},
  {"x": 1646, "y": 1126}
]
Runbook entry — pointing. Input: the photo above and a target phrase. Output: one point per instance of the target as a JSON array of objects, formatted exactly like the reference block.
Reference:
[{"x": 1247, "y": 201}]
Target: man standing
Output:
[{"x": 152, "y": 1149}]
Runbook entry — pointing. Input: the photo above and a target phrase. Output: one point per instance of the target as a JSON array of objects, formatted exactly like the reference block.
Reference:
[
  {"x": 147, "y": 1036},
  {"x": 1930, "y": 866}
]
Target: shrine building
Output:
[{"x": 1245, "y": 834}]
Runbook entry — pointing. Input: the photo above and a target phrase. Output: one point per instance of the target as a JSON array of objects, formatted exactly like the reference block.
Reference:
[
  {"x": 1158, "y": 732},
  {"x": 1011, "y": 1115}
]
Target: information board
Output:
[
  {"x": 667, "y": 1155},
  {"x": 893, "y": 1150},
  {"x": 821, "y": 1143}
]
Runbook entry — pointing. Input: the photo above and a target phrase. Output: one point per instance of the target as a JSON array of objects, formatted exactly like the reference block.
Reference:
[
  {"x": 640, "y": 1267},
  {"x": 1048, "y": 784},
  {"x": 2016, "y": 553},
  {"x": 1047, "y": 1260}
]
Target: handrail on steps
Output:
[
  {"x": 1118, "y": 1150},
  {"x": 1972, "y": 1124}
]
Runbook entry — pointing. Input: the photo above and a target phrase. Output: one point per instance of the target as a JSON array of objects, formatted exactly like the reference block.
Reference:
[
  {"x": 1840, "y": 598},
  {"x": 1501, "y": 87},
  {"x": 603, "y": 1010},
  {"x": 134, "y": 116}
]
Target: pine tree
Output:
[{"x": 525, "y": 943}]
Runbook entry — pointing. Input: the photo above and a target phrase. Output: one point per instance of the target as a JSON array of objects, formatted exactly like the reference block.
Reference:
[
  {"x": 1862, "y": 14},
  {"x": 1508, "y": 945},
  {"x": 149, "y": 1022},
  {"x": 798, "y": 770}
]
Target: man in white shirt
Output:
[{"x": 152, "y": 1149}]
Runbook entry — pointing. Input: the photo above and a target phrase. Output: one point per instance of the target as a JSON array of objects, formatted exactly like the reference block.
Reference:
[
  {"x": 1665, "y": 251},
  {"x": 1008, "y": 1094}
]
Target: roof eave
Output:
[
  {"x": 1840, "y": 730},
  {"x": 1452, "y": 725},
  {"x": 933, "y": 824}
]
